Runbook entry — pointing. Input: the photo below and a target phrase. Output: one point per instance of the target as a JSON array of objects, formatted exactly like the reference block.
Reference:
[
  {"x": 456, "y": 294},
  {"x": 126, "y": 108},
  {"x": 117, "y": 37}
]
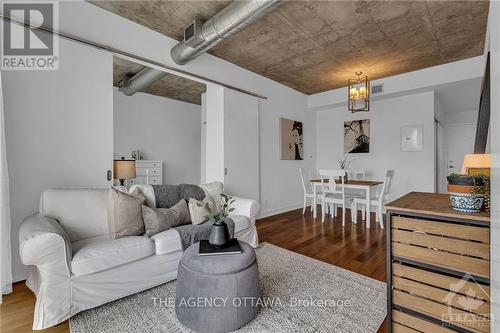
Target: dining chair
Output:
[
  {"x": 359, "y": 173},
  {"x": 378, "y": 200},
  {"x": 307, "y": 188},
  {"x": 331, "y": 193}
]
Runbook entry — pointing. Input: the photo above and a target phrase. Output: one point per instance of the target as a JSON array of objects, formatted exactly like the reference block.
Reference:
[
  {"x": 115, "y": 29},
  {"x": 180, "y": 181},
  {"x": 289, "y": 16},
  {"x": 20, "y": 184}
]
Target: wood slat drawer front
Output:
[
  {"x": 470, "y": 248},
  {"x": 464, "y": 232},
  {"x": 398, "y": 328},
  {"x": 445, "y": 297},
  {"x": 439, "y": 311},
  {"x": 418, "y": 325},
  {"x": 456, "y": 262},
  {"x": 442, "y": 281}
]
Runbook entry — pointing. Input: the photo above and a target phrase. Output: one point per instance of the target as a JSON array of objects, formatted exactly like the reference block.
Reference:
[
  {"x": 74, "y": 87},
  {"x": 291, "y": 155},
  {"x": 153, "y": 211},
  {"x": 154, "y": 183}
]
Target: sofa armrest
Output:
[
  {"x": 43, "y": 241},
  {"x": 246, "y": 207}
]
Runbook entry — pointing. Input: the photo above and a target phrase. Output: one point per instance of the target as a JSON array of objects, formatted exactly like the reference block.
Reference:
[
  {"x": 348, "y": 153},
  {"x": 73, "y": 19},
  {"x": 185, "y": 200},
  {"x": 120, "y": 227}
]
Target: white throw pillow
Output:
[
  {"x": 197, "y": 210},
  {"x": 214, "y": 189}
]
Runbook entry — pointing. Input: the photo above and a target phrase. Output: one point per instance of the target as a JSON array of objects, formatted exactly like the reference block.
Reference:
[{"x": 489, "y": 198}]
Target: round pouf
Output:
[{"x": 217, "y": 293}]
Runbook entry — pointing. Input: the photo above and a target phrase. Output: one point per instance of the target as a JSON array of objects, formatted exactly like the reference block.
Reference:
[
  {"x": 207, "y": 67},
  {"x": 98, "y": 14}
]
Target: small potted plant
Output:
[
  {"x": 484, "y": 190},
  {"x": 219, "y": 234},
  {"x": 465, "y": 193},
  {"x": 344, "y": 163}
]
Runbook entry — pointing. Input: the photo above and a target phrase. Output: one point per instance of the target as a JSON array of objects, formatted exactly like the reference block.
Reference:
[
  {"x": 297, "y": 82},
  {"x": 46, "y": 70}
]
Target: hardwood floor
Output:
[{"x": 353, "y": 247}]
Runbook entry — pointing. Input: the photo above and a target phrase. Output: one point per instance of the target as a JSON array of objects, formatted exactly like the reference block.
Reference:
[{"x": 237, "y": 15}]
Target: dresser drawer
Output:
[
  {"x": 148, "y": 164},
  {"x": 406, "y": 323},
  {"x": 148, "y": 171},
  {"x": 154, "y": 180},
  {"x": 461, "y": 302},
  {"x": 457, "y": 247}
]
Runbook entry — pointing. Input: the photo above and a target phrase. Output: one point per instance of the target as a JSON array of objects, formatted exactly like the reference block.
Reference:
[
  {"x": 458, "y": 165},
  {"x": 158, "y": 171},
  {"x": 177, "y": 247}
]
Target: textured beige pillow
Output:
[
  {"x": 125, "y": 214},
  {"x": 198, "y": 213},
  {"x": 160, "y": 219}
]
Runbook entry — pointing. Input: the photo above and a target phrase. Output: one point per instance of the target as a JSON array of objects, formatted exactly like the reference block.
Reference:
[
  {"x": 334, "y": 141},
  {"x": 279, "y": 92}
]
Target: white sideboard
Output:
[{"x": 147, "y": 173}]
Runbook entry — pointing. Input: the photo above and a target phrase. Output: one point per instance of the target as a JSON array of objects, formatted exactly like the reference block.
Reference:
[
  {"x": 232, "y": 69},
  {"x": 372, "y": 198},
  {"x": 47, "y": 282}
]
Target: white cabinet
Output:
[{"x": 148, "y": 173}]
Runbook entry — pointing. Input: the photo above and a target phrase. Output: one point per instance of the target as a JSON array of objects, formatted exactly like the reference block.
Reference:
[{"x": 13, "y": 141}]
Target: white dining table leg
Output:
[
  {"x": 315, "y": 206},
  {"x": 368, "y": 206}
]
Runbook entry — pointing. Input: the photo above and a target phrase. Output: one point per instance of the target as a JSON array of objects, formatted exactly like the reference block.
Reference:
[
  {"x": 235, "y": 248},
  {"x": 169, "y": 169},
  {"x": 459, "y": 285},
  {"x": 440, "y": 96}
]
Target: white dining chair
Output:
[
  {"x": 307, "y": 188},
  {"x": 358, "y": 174},
  {"x": 331, "y": 193},
  {"x": 378, "y": 200}
]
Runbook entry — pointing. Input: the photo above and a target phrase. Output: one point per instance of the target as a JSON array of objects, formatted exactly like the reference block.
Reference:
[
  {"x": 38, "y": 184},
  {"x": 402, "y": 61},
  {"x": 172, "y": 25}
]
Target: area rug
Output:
[{"x": 299, "y": 294}]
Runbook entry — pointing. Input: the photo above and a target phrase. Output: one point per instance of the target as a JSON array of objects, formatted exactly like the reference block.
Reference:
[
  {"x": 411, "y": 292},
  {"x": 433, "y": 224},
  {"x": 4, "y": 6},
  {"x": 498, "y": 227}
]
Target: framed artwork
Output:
[
  {"x": 412, "y": 138},
  {"x": 357, "y": 136},
  {"x": 291, "y": 140}
]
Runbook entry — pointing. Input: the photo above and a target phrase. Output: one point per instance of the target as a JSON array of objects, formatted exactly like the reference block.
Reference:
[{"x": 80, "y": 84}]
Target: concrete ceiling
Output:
[
  {"x": 170, "y": 86},
  {"x": 314, "y": 46}
]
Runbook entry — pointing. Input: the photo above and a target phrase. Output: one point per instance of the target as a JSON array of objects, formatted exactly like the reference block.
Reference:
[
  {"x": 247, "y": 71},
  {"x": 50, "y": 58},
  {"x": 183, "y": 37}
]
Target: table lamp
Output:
[
  {"x": 123, "y": 169},
  {"x": 476, "y": 164}
]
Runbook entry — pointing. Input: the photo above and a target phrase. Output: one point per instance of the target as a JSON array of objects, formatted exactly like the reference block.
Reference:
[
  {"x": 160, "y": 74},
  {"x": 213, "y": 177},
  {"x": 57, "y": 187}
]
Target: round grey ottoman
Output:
[{"x": 217, "y": 293}]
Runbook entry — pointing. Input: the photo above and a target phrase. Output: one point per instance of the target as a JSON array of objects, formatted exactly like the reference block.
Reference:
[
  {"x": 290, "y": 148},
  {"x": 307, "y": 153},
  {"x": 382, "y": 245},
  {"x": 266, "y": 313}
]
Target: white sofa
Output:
[{"x": 74, "y": 264}]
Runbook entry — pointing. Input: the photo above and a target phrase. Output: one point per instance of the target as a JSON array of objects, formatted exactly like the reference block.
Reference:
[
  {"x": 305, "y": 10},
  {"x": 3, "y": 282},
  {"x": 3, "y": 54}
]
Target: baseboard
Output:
[{"x": 280, "y": 210}]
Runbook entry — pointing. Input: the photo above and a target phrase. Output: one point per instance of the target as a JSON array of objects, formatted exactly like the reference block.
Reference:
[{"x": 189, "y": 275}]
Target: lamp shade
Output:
[
  {"x": 476, "y": 161},
  {"x": 124, "y": 169}
]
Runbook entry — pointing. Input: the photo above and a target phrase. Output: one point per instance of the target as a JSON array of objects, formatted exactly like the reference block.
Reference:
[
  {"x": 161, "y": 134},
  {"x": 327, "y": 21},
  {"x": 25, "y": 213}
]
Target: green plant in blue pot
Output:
[{"x": 219, "y": 234}]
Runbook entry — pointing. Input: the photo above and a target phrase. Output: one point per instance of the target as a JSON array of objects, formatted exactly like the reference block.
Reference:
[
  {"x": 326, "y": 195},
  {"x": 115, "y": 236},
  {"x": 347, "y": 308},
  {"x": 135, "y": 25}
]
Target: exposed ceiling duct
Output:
[
  {"x": 200, "y": 37},
  {"x": 140, "y": 81}
]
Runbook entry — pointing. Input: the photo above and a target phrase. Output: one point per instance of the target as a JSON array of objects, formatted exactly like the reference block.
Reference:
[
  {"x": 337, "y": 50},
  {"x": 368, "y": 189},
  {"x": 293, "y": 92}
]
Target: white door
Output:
[
  {"x": 459, "y": 141},
  {"x": 241, "y": 144}
]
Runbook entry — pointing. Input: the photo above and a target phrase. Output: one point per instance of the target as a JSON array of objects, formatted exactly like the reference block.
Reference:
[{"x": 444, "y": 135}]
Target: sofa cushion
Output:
[
  {"x": 147, "y": 191},
  {"x": 214, "y": 188},
  {"x": 240, "y": 222},
  {"x": 99, "y": 253},
  {"x": 159, "y": 219},
  {"x": 82, "y": 212},
  {"x": 125, "y": 213},
  {"x": 167, "y": 241}
]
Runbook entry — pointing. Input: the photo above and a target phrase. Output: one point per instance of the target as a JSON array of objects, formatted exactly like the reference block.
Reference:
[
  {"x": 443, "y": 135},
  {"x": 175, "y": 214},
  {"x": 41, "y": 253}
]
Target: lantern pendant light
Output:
[{"x": 359, "y": 93}]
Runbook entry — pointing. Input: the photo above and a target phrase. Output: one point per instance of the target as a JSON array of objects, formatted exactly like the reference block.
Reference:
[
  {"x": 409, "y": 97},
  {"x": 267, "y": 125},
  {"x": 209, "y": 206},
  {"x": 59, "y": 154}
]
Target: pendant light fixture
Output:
[{"x": 359, "y": 93}]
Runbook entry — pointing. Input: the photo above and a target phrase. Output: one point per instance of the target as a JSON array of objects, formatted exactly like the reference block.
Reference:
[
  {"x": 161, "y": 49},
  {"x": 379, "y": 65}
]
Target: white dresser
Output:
[{"x": 147, "y": 173}]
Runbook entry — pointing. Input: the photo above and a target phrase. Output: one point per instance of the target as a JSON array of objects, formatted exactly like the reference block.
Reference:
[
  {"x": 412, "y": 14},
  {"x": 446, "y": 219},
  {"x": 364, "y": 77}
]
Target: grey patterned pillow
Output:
[{"x": 157, "y": 220}]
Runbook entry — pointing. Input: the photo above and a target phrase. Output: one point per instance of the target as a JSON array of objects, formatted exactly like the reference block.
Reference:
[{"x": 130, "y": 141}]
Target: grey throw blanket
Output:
[
  {"x": 168, "y": 195},
  {"x": 191, "y": 233}
]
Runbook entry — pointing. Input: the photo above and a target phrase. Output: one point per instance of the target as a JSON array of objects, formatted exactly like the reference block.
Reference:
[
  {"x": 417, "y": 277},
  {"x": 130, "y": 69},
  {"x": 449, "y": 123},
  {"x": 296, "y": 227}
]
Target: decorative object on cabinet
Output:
[
  {"x": 136, "y": 155},
  {"x": 438, "y": 266},
  {"x": 357, "y": 136},
  {"x": 124, "y": 169},
  {"x": 291, "y": 140},
  {"x": 462, "y": 196},
  {"x": 412, "y": 138}
]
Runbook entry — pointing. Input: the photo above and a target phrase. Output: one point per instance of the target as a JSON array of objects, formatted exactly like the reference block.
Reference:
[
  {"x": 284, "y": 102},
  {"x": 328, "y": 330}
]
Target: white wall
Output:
[
  {"x": 58, "y": 130},
  {"x": 414, "y": 171},
  {"x": 162, "y": 129},
  {"x": 494, "y": 43},
  {"x": 241, "y": 144},
  {"x": 280, "y": 185}
]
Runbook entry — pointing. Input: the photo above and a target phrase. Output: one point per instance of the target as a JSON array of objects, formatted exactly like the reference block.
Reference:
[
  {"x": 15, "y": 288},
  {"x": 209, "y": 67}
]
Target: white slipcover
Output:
[
  {"x": 99, "y": 253},
  {"x": 76, "y": 267}
]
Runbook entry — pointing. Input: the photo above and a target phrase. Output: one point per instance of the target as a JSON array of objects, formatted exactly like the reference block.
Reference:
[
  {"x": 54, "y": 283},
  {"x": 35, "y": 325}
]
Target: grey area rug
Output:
[{"x": 300, "y": 295}]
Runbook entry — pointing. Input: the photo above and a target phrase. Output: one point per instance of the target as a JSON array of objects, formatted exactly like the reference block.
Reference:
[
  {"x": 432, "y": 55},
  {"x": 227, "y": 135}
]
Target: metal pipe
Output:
[
  {"x": 232, "y": 19},
  {"x": 140, "y": 81}
]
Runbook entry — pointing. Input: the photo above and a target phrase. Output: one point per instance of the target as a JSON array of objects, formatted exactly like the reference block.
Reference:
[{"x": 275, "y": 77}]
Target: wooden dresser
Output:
[{"x": 438, "y": 266}]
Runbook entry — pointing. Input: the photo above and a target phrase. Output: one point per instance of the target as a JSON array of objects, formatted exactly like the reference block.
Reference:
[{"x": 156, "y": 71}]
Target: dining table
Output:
[{"x": 355, "y": 184}]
